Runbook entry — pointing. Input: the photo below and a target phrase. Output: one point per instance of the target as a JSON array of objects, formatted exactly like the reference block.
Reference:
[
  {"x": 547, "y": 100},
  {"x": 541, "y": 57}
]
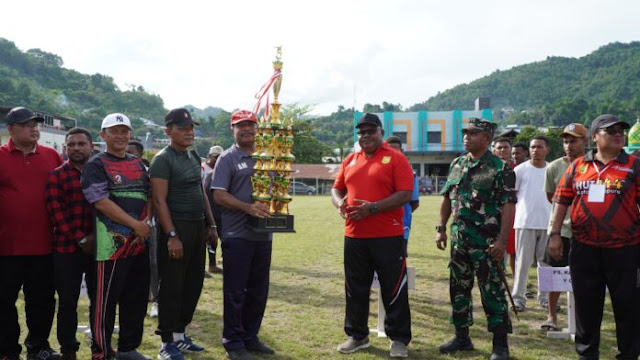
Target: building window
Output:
[
  {"x": 416, "y": 168},
  {"x": 434, "y": 137},
  {"x": 402, "y": 135}
]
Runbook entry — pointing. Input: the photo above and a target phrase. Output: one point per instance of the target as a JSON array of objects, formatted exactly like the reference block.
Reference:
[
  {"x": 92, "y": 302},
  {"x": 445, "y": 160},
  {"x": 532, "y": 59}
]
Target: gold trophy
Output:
[{"x": 273, "y": 161}]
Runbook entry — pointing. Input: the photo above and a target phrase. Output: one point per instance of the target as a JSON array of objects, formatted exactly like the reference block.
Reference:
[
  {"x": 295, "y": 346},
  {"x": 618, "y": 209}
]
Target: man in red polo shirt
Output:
[
  {"x": 604, "y": 188},
  {"x": 25, "y": 237},
  {"x": 369, "y": 191}
]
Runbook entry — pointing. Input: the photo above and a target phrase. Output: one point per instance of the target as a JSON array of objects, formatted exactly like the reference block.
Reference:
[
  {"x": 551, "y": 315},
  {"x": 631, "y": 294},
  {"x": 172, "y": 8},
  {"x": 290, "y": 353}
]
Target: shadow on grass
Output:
[
  {"x": 303, "y": 295},
  {"x": 320, "y": 274}
]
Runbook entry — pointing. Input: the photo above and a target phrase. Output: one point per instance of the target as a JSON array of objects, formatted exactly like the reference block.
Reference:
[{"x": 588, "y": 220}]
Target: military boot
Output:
[
  {"x": 461, "y": 341},
  {"x": 500, "y": 345}
]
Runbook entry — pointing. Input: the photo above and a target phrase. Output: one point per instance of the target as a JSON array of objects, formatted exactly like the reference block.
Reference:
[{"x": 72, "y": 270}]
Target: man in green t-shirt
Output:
[
  {"x": 574, "y": 142},
  {"x": 182, "y": 208}
]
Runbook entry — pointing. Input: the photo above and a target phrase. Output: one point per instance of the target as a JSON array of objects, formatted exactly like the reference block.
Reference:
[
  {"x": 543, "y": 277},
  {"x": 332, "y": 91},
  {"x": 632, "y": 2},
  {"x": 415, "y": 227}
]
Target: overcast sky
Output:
[{"x": 335, "y": 52}]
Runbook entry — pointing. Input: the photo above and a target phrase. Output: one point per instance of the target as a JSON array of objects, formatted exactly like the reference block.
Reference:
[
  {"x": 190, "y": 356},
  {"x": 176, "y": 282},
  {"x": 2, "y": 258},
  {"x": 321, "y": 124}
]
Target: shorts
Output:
[{"x": 566, "y": 245}]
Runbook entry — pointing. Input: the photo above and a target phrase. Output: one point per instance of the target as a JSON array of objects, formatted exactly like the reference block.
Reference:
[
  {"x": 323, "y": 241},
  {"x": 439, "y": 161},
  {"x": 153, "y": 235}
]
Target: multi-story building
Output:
[
  {"x": 52, "y": 130},
  {"x": 430, "y": 139}
]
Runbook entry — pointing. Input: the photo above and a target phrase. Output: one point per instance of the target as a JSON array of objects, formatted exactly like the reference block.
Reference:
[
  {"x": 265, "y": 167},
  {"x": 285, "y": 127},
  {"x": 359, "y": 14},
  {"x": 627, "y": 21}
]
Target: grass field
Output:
[{"x": 305, "y": 312}]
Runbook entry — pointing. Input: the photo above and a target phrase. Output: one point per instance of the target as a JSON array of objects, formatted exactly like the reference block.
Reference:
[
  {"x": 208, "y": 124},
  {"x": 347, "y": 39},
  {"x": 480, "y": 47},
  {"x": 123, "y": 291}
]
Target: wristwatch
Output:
[
  {"x": 440, "y": 229},
  {"x": 172, "y": 233},
  {"x": 374, "y": 208}
]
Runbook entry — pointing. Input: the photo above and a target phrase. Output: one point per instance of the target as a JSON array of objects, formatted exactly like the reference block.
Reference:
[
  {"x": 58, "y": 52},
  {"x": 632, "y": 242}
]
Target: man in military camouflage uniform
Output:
[{"x": 480, "y": 194}]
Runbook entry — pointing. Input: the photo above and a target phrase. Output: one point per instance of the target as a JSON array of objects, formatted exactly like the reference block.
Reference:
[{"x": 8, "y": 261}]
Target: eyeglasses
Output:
[
  {"x": 30, "y": 124},
  {"x": 370, "y": 131},
  {"x": 614, "y": 130}
]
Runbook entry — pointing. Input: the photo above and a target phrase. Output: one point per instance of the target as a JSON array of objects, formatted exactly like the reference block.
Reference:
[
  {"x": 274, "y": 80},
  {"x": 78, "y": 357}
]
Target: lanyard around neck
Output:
[{"x": 595, "y": 165}]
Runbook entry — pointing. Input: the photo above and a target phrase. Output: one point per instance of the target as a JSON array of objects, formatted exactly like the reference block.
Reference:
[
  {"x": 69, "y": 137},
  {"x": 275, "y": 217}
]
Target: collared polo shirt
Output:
[
  {"x": 372, "y": 179},
  {"x": 232, "y": 173},
  {"x": 25, "y": 228},
  {"x": 613, "y": 223}
]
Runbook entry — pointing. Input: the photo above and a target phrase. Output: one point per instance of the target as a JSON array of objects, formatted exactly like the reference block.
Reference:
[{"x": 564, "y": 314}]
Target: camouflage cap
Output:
[{"x": 480, "y": 124}]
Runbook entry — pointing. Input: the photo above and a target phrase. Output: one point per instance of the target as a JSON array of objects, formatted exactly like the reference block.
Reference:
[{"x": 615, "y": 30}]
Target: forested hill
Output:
[
  {"x": 555, "y": 91},
  {"x": 37, "y": 79},
  {"x": 557, "y": 88}
]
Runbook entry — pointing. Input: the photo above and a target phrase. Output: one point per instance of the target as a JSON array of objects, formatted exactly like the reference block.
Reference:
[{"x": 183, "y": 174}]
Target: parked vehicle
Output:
[{"x": 298, "y": 188}]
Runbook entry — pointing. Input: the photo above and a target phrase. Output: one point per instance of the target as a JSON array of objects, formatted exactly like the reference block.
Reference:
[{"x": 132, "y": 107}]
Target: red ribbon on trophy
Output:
[{"x": 264, "y": 91}]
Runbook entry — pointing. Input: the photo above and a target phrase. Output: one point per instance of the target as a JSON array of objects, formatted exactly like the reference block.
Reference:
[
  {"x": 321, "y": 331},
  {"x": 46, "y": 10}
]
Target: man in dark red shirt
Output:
[
  {"x": 604, "y": 188},
  {"x": 72, "y": 235},
  {"x": 25, "y": 237},
  {"x": 369, "y": 192}
]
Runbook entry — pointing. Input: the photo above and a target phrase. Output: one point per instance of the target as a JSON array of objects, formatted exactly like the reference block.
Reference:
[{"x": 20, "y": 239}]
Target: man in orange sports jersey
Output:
[
  {"x": 604, "y": 188},
  {"x": 370, "y": 189}
]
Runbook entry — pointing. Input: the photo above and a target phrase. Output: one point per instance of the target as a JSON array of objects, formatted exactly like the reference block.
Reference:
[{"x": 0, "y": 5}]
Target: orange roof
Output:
[{"x": 313, "y": 171}]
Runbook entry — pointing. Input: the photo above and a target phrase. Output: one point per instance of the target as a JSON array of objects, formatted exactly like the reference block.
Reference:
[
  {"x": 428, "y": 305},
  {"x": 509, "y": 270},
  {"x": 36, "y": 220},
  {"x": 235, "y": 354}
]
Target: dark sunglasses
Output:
[
  {"x": 371, "y": 131},
  {"x": 613, "y": 130}
]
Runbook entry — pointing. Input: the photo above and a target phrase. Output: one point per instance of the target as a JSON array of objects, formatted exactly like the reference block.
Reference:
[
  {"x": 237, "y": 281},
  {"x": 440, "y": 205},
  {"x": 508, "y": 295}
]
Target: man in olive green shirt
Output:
[
  {"x": 182, "y": 208},
  {"x": 574, "y": 142}
]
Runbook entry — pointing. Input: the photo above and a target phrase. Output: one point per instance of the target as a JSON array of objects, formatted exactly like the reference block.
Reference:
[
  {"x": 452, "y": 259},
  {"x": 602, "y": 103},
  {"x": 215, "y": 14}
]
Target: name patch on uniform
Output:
[
  {"x": 242, "y": 166},
  {"x": 386, "y": 159},
  {"x": 625, "y": 169}
]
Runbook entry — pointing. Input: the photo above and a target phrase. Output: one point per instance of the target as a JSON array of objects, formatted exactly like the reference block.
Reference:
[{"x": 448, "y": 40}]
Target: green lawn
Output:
[{"x": 304, "y": 316}]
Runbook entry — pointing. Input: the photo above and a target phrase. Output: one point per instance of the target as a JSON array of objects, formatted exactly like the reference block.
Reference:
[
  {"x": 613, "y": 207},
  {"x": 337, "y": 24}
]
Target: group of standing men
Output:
[
  {"x": 92, "y": 216},
  {"x": 600, "y": 240}
]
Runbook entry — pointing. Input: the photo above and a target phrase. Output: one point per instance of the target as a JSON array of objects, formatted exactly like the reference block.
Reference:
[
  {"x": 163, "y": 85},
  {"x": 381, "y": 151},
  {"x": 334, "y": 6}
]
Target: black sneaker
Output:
[
  {"x": 500, "y": 353},
  {"x": 456, "y": 344},
  {"x": 259, "y": 347},
  {"x": 44, "y": 354},
  {"x": 240, "y": 354}
]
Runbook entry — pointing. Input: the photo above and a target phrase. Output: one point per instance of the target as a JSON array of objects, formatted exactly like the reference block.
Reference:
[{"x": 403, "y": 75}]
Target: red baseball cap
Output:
[{"x": 243, "y": 115}]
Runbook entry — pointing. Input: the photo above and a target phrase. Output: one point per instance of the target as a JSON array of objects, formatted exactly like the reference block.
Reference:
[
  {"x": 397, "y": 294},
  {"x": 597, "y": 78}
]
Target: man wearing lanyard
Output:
[{"x": 605, "y": 188}]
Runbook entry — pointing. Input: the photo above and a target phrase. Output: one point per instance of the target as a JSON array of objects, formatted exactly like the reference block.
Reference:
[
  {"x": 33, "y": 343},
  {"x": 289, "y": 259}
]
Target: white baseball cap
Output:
[
  {"x": 115, "y": 120},
  {"x": 216, "y": 150}
]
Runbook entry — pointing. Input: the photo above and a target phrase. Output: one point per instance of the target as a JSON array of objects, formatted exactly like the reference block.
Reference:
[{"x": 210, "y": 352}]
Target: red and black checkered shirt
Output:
[{"x": 70, "y": 213}]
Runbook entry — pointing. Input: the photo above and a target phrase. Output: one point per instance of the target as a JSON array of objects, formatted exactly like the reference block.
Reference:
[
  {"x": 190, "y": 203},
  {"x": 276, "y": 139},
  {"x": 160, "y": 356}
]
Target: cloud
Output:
[{"x": 335, "y": 52}]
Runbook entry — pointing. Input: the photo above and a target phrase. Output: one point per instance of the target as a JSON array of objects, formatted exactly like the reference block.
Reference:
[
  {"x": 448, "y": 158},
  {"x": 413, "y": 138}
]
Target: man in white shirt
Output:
[{"x": 531, "y": 219}]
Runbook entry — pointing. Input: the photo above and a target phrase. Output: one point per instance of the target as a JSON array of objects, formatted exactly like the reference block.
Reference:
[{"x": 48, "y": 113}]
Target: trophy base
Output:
[{"x": 276, "y": 223}]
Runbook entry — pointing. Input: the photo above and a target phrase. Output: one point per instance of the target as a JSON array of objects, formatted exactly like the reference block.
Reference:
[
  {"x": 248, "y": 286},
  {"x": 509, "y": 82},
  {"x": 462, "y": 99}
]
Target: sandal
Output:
[
  {"x": 549, "y": 325},
  {"x": 519, "y": 306}
]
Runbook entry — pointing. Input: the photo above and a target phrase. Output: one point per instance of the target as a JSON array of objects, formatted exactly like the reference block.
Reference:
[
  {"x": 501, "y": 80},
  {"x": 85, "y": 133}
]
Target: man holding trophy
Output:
[{"x": 247, "y": 254}]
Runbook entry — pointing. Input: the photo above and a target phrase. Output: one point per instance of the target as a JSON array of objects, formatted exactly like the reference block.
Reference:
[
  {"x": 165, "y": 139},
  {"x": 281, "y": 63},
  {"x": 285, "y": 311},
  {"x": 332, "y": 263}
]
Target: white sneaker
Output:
[{"x": 153, "y": 312}]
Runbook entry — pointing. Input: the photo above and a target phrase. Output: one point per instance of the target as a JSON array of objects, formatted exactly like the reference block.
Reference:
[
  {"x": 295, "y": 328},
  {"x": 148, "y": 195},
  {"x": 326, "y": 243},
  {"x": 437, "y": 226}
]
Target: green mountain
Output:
[
  {"x": 209, "y": 111},
  {"x": 37, "y": 79},
  {"x": 557, "y": 90}
]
